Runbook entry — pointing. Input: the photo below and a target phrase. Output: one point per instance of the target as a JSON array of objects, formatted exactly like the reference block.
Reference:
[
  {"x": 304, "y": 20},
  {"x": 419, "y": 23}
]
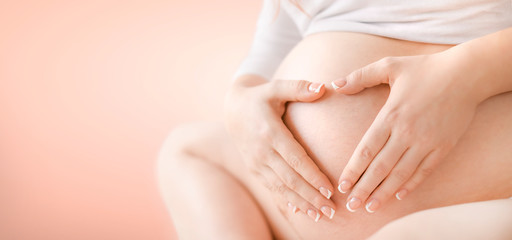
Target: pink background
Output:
[{"x": 88, "y": 91}]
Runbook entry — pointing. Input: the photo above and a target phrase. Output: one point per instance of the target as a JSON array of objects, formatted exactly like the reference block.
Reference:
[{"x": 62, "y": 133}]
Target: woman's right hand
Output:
[{"x": 254, "y": 108}]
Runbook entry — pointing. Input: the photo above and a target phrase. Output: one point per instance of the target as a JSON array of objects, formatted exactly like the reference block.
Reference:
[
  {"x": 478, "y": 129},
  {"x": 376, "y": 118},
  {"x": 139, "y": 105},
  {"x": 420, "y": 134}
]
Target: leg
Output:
[
  {"x": 205, "y": 200},
  {"x": 477, "y": 220}
]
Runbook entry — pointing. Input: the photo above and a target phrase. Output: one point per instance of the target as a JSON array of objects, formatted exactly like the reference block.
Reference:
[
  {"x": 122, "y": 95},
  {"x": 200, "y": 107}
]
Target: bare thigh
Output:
[
  {"x": 476, "y": 220},
  {"x": 210, "y": 143}
]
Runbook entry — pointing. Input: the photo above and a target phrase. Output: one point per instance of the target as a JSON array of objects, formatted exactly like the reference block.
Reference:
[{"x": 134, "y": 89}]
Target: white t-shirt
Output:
[{"x": 429, "y": 21}]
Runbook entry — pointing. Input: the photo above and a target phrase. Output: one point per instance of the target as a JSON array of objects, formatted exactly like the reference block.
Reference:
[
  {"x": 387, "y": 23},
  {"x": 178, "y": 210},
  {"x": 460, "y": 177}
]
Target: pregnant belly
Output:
[{"x": 330, "y": 128}]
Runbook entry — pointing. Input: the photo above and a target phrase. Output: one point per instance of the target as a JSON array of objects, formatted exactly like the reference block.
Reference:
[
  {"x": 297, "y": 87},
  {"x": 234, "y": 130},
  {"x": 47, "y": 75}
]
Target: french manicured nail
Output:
[
  {"x": 314, "y": 215},
  {"x": 372, "y": 205},
  {"x": 401, "y": 194},
  {"x": 337, "y": 84},
  {"x": 326, "y": 192},
  {"x": 353, "y": 204},
  {"x": 292, "y": 207},
  {"x": 315, "y": 87},
  {"x": 327, "y": 211},
  {"x": 344, "y": 186}
]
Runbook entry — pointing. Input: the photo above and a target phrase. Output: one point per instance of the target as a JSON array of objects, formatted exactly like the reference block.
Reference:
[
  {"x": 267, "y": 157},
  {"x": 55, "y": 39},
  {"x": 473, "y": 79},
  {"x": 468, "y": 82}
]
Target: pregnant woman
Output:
[{"x": 402, "y": 129}]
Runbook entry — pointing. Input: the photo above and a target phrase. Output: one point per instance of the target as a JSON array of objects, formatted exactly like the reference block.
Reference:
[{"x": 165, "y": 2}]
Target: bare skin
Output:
[
  {"x": 432, "y": 101},
  {"x": 471, "y": 221},
  {"x": 200, "y": 166}
]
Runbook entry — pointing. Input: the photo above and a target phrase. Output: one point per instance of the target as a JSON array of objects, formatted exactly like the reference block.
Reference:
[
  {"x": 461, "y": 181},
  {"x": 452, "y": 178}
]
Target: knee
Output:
[{"x": 183, "y": 140}]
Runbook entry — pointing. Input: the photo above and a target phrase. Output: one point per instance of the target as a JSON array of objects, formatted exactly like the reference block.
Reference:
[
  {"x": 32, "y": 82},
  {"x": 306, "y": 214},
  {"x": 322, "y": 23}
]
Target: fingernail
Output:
[
  {"x": 326, "y": 192},
  {"x": 401, "y": 194},
  {"x": 327, "y": 211},
  {"x": 337, "y": 84},
  {"x": 372, "y": 206},
  {"x": 353, "y": 204},
  {"x": 315, "y": 87},
  {"x": 314, "y": 215},
  {"x": 292, "y": 207},
  {"x": 344, "y": 186}
]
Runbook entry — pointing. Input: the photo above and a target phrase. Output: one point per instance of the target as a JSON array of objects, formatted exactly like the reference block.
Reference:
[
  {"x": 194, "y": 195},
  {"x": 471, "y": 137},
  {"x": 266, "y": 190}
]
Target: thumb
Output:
[
  {"x": 296, "y": 90},
  {"x": 366, "y": 77}
]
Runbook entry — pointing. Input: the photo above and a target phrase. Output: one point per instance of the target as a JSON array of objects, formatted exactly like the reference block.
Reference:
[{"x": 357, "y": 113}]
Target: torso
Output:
[{"x": 477, "y": 169}]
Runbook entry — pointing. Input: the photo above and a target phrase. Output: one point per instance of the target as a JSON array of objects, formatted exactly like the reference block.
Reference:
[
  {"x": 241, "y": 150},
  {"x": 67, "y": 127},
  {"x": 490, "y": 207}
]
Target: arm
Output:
[
  {"x": 432, "y": 101},
  {"x": 487, "y": 61},
  {"x": 275, "y": 36}
]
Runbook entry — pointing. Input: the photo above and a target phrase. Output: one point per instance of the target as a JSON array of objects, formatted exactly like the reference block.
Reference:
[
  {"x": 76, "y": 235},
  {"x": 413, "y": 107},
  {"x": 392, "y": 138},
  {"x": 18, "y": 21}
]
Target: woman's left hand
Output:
[{"x": 429, "y": 107}]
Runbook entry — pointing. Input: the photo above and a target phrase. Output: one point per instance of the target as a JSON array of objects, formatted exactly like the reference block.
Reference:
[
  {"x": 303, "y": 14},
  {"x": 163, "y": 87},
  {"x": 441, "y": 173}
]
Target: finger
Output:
[
  {"x": 368, "y": 76},
  {"x": 284, "y": 194},
  {"x": 423, "y": 171},
  {"x": 297, "y": 158},
  {"x": 295, "y": 90},
  {"x": 402, "y": 171},
  {"x": 371, "y": 143},
  {"x": 376, "y": 172},
  {"x": 297, "y": 184}
]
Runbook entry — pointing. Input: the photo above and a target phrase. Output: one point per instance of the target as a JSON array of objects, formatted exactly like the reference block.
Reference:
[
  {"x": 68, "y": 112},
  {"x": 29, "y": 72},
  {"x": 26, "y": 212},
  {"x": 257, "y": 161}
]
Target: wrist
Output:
[
  {"x": 243, "y": 83},
  {"x": 239, "y": 90},
  {"x": 466, "y": 74},
  {"x": 447, "y": 78},
  {"x": 483, "y": 65}
]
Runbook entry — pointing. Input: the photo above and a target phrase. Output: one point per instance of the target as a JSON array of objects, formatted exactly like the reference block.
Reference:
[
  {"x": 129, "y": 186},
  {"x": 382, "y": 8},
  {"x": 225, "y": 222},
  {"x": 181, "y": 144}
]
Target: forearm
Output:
[{"x": 486, "y": 64}]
